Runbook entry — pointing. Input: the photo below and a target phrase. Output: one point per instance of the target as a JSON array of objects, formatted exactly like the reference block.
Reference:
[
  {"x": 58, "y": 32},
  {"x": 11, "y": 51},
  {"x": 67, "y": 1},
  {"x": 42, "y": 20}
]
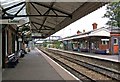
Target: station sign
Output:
[
  {"x": 13, "y": 21},
  {"x": 9, "y": 21},
  {"x": 36, "y": 34}
]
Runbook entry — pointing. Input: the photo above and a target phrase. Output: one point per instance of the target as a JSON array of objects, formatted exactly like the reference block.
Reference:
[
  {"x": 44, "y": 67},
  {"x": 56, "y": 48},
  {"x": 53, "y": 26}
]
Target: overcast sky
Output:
[{"x": 84, "y": 23}]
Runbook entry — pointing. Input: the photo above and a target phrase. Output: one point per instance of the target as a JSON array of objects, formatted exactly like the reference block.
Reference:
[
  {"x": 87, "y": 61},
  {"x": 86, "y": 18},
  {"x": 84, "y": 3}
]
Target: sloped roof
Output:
[
  {"x": 49, "y": 17},
  {"x": 100, "y": 32},
  {"x": 57, "y": 15},
  {"x": 96, "y": 32}
]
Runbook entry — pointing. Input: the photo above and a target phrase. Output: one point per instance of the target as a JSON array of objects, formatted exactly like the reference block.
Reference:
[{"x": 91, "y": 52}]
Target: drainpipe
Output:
[
  {"x": 112, "y": 45},
  {"x": 119, "y": 48},
  {"x": 1, "y": 51},
  {"x": 0, "y": 46},
  {"x": 17, "y": 38}
]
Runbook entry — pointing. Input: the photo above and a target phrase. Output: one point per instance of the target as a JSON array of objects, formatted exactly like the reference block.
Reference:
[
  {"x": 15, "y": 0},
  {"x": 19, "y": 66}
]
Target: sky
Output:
[{"x": 85, "y": 23}]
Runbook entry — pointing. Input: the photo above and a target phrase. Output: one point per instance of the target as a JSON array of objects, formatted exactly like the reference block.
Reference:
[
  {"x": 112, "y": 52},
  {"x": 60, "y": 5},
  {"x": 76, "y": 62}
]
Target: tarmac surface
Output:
[{"x": 32, "y": 67}]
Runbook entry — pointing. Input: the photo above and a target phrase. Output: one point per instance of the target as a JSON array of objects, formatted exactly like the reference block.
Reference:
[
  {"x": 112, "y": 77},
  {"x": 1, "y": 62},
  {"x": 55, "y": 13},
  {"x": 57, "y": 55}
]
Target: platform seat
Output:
[{"x": 12, "y": 60}]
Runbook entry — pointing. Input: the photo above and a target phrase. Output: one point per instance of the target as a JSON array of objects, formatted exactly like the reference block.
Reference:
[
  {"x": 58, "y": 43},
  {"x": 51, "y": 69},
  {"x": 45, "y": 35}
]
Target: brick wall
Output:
[
  {"x": 114, "y": 47},
  {"x": 11, "y": 31},
  {"x": 103, "y": 47},
  {"x": 9, "y": 42}
]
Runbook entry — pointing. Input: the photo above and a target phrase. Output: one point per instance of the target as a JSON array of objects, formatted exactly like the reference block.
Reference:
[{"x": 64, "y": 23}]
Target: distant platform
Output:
[{"x": 114, "y": 58}]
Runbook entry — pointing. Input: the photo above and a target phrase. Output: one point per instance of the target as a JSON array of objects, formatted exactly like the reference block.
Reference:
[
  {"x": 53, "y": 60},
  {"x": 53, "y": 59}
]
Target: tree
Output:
[{"x": 113, "y": 13}]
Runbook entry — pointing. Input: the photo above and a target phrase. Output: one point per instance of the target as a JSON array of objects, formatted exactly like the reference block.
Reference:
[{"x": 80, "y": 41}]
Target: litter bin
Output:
[{"x": 107, "y": 51}]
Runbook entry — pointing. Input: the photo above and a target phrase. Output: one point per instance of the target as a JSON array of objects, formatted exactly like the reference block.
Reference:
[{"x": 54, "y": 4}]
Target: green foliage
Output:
[
  {"x": 113, "y": 13},
  {"x": 45, "y": 44},
  {"x": 24, "y": 28},
  {"x": 57, "y": 44}
]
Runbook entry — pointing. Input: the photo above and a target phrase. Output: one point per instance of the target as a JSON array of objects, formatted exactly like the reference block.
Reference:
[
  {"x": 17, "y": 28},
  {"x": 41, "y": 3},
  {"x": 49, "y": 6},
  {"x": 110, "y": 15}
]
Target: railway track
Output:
[
  {"x": 78, "y": 74},
  {"x": 84, "y": 71},
  {"x": 110, "y": 65},
  {"x": 107, "y": 72}
]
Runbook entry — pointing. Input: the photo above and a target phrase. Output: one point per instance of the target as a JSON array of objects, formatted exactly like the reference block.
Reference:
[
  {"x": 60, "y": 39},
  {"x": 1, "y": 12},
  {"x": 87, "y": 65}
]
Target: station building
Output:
[
  {"x": 99, "y": 40},
  {"x": 10, "y": 43}
]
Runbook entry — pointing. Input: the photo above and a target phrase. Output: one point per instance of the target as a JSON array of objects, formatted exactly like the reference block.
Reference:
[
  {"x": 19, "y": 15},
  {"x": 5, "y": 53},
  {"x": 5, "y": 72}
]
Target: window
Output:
[
  {"x": 105, "y": 41},
  {"x": 13, "y": 43},
  {"x": 115, "y": 41}
]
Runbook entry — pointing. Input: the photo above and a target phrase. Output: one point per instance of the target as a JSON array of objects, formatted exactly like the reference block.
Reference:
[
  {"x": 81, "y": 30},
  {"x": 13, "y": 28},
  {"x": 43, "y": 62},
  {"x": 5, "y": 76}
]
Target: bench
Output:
[{"x": 12, "y": 60}]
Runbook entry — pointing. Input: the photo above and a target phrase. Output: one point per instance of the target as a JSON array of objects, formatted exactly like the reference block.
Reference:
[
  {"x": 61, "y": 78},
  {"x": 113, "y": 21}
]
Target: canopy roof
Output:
[
  {"x": 100, "y": 32},
  {"x": 49, "y": 17}
]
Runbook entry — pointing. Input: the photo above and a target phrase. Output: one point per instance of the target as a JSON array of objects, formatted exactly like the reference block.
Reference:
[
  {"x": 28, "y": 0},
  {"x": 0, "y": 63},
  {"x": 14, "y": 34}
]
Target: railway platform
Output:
[
  {"x": 37, "y": 66},
  {"x": 114, "y": 58}
]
